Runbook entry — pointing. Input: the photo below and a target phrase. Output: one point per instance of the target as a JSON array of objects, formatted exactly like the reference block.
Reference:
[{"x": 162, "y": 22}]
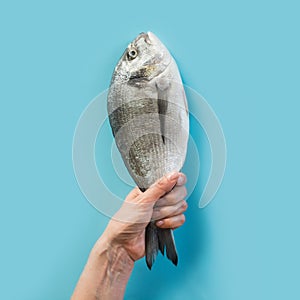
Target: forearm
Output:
[{"x": 106, "y": 273}]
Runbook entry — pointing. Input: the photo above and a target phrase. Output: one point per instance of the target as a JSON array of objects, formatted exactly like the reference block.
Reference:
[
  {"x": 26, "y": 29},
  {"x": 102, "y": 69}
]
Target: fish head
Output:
[{"x": 145, "y": 58}]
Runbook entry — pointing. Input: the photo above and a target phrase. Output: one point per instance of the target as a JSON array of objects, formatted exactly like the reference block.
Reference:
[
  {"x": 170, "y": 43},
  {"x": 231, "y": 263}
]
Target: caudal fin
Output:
[
  {"x": 159, "y": 239},
  {"x": 166, "y": 241},
  {"x": 151, "y": 244}
]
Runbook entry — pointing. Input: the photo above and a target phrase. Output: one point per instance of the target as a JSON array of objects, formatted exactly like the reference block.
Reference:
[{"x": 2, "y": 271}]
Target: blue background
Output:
[{"x": 243, "y": 57}]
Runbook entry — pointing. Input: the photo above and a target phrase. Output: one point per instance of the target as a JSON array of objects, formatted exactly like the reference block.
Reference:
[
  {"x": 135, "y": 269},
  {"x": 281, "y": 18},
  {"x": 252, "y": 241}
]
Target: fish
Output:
[{"x": 149, "y": 118}]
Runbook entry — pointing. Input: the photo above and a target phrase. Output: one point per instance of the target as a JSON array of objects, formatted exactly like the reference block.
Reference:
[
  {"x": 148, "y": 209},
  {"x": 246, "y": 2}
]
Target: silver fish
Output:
[{"x": 148, "y": 115}]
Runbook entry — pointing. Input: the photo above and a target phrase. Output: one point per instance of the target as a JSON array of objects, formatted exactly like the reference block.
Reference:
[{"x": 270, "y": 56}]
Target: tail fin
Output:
[
  {"x": 159, "y": 239},
  {"x": 151, "y": 244},
  {"x": 166, "y": 240}
]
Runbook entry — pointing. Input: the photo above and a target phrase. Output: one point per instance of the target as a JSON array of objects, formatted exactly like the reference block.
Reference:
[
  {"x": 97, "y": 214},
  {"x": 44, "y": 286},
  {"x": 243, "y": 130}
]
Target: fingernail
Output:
[
  {"x": 159, "y": 223},
  {"x": 172, "y": 175},
  {"x": 180, "y": 179}
]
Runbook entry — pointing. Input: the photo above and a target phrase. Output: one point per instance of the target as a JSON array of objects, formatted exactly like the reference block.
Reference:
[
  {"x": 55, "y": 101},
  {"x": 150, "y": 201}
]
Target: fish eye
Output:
[{"x": 132, "y": 53}]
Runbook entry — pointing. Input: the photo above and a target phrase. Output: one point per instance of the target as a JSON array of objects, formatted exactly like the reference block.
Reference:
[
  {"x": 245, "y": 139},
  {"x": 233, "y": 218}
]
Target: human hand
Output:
[
  {"x": 123, "y": 242},
  {"x": 163, "y": 202}
]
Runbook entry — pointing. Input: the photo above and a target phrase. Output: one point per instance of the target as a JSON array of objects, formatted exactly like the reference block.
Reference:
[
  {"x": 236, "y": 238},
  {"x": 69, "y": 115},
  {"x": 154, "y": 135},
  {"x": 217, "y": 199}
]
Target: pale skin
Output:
[{"x": 111, "y": 260}]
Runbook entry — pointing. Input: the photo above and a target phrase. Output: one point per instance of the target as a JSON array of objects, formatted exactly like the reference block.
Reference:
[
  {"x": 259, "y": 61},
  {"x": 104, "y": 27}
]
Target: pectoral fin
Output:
[{"x": 162, "y": 87}]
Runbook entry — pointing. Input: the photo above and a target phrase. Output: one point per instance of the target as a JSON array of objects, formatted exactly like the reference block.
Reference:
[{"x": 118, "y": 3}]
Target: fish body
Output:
[{"x": 148, "y": 115}]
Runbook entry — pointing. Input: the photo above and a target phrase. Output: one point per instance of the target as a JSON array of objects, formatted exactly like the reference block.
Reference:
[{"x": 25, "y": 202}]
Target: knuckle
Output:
[
  {"x": 184, "y": 191},
  {"x": 182, "y": 219},
  {"x": 184, "y": 205},
  {"x": 161, "y": 183}
]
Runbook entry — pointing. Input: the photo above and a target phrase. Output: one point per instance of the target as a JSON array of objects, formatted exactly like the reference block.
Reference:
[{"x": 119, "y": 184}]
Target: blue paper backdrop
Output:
[{"x": 242, "y": 56}]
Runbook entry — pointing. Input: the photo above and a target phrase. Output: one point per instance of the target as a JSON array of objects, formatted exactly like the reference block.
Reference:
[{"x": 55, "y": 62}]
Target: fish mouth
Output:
[
  {"x": 159, "y": 60},
  {"x": 149, "y": 37},
  {"x": 152, "y": 37},
  {"x": 145, "y": 36}
]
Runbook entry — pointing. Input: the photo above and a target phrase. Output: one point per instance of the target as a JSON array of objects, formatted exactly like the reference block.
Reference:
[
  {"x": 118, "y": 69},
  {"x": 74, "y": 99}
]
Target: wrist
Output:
[
  {"x": 116, "y": 255},
  {"x": 106, "y": 273}
]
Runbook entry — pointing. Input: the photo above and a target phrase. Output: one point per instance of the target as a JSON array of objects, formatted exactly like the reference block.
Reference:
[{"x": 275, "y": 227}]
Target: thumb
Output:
[{"x": 159, "y": 188}]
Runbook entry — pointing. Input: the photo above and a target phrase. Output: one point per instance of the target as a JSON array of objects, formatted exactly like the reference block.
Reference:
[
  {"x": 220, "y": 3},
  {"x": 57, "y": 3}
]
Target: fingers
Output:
[
  {"x": 159, "y": 188},
  {"x": 172, "y": 222},
  {"x": 181, "y": 180},
  {"x": 178, "y": 193},
  {"x": 173, "y": 197},
  {"x": 169, "y": 211}
]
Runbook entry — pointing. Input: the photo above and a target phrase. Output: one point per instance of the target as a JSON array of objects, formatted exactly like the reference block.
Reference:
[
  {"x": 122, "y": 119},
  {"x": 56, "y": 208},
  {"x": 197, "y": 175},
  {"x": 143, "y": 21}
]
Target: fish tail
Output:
[
  {"x": 151, "y": 244},
  {"x": 166, "y": 241},
  {"x": 159, "y": 239}
]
